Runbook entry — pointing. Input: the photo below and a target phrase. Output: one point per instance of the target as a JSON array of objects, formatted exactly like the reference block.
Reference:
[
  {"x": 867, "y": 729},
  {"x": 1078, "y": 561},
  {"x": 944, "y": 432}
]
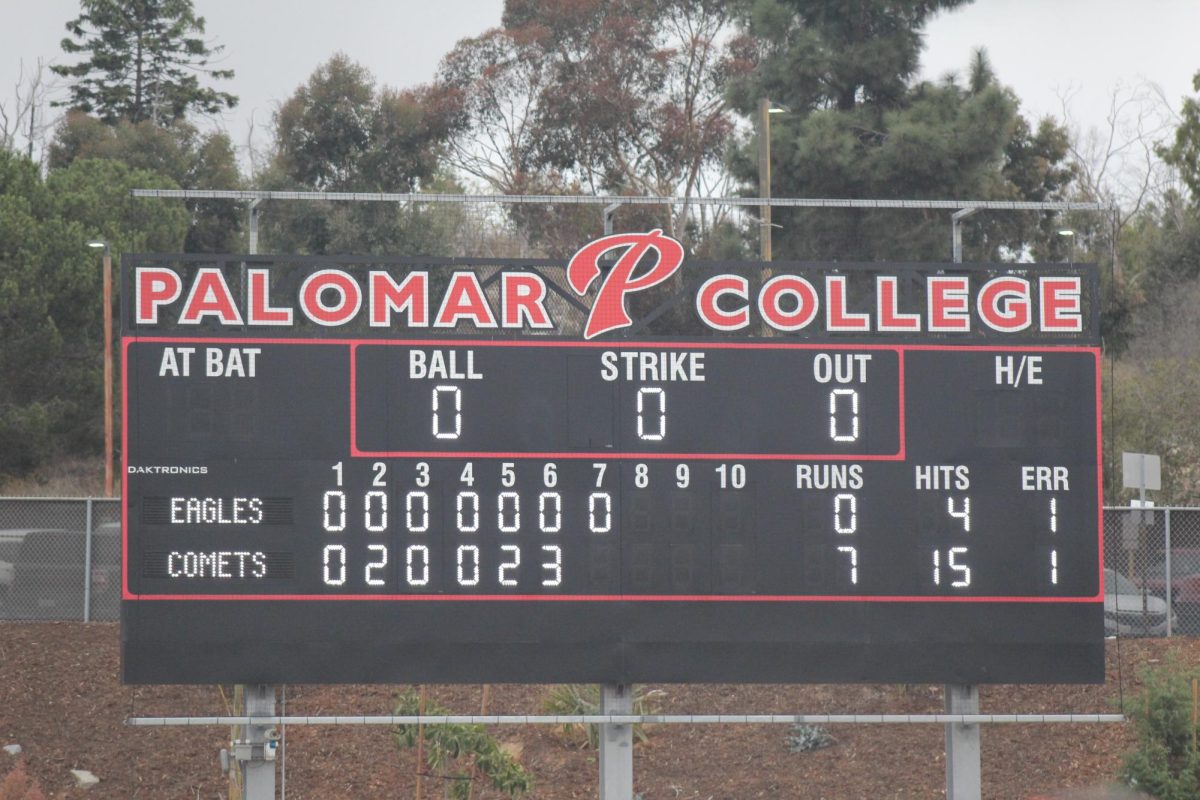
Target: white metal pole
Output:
[{"x": 616, "y": 743}]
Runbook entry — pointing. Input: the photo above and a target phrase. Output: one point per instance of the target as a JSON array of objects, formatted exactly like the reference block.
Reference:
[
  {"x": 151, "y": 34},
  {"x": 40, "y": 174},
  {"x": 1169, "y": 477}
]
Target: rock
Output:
[
  {"x": 84, "y": 779},
  {"x": 12, "y": 749}
]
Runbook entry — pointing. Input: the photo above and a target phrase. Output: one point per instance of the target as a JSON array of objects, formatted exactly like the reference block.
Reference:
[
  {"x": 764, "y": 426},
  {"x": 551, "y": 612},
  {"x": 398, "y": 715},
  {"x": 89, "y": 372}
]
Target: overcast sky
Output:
[{"x": 1041, "y": 48}]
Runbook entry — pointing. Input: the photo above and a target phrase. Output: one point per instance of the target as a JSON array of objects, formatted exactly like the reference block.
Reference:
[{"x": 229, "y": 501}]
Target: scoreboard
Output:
[{"x": 404, "y": 470}]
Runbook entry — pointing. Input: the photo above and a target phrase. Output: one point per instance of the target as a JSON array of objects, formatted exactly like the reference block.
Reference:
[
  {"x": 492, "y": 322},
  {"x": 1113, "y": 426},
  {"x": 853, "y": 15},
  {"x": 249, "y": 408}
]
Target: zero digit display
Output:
[{"x": 332, "y": 474}]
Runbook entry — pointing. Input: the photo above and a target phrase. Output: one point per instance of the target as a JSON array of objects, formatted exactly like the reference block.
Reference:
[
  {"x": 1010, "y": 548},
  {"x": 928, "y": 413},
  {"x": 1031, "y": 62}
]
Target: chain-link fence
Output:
[
  {"x": 60, "y": 558},
  {"x": 1152, "y": 557}
]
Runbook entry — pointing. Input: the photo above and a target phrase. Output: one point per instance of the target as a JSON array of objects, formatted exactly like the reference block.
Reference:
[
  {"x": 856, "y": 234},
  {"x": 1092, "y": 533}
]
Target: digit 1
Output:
[{"x": 1054, "y": 529}]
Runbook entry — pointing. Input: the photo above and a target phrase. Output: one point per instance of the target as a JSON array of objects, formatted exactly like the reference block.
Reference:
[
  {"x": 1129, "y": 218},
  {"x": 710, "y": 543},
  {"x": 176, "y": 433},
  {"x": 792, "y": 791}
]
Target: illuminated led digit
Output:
[
  {"x": 376, "y": 565},
  {"x": 509, "y": 499},
  {"x": 416, "y": 574},
  {"x": 683, "y": 476},
  {"x": 731, "y": 475},
  {"x": 334, "y": 559},
  {"x": 555, "y": 524},
  {"x": 465, "y": 499},
  {"x": 463, "y": 552},
  {"x": 600, "y": 523},
  {"x": 1054, "y": 529},
  {"x": 554, "y": 566},
  {"x": 641, "y": 476},
  {"x": 964, "y": 515},
  {"x": 853, "y": 553},
  {"x": 644, "y": 431},
  {"x": 438, "y": 431},
  {"x": 508, "y": 566},
  {"x": 379, "y": 523},
  {"x": 835, "y": 431},
  {"x": 417, "y": 521},
  {"x": 962, "y": 573},
  {"x": 845, "y": 513},
  {"x": 334, "y": 507}
]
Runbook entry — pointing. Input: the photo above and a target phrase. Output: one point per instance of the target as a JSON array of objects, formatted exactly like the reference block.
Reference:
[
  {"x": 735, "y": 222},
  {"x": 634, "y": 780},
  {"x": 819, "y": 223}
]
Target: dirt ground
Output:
[{"x": 61, "y": 700}]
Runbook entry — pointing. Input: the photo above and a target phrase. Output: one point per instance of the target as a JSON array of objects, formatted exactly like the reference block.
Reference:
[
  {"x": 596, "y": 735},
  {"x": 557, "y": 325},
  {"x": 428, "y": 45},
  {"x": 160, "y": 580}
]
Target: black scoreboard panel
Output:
[{"x": 546, "y": 509}]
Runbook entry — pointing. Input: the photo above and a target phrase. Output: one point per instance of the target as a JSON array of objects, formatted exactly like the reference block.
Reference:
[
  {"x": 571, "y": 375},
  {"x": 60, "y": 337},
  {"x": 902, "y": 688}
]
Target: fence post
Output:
[
  {"x": 87, "y": 561},
  {"x": 1167, "y": 569}
]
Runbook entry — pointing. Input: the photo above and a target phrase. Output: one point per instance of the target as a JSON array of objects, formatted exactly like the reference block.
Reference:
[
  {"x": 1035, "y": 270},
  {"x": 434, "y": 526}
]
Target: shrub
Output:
[
  {"x": 1165, "y": 763},
  {"x": 583, "y": 699},
  {"x": 461, "y": 753}
]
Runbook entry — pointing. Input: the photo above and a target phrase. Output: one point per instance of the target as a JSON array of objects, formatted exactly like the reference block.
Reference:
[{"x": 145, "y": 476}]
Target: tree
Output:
[
  {"x": 595, "y": 96},
  {"x": 143, "y": 61},
  {"x": 178, "y": 151},
  {"x": 50, "y": 309},
  {"x": 338, "y": 132},
  {"x": 1184, "y": 152},
  {"x": 860, "y": 128}
]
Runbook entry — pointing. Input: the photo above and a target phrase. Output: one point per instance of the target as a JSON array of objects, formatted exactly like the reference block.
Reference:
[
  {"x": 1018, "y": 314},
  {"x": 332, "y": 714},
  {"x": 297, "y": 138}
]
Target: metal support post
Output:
[
  {"x": 252, "y": 224},
  {"x": 956, "y": 231},
  {"x": 255, "y": 750},
  {"x": 609, "y": 212},
  {"x": 1167, "y": 567},
  {"x": 616, "y": 743},
  {"x": 87, "y": 562},
  {"x": 962, "y": 745}
]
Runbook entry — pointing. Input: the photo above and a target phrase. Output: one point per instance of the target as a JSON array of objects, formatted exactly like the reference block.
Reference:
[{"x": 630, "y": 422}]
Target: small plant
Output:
[
  {"x": 806, "y": 738},
  {"x": 460, "y": 754},
  {"x": 1165, "y": 763},
  {"x": 581, "y": 699}
]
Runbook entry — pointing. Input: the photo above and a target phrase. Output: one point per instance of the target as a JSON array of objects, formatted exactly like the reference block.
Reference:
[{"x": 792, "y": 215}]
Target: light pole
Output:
[
  {"x": 1069, "y": 234},
  {"x": 108, "y": 367},
  {"x": 765, "y": 109}
]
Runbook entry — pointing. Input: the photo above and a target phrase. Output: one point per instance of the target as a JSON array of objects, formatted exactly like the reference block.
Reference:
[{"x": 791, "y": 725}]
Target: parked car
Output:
[
  {"x": 47, "y": 574},
  {"x": 1130, "y": 611},
  {"x": 1185, "y": 576}
]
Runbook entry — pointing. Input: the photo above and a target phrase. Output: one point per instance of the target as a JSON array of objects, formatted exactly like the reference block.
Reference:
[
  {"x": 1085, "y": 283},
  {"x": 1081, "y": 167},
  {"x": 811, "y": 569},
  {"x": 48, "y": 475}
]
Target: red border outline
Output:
[
  {"x": 127, "y": 341},
  {"x": 609, "y": 455}
]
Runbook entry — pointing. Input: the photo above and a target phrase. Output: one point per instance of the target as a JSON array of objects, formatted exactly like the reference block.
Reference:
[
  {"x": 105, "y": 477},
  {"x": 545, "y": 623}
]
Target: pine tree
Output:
[
  {"x": 144, "y": 59},
  {"x": 862, "y": 127}
]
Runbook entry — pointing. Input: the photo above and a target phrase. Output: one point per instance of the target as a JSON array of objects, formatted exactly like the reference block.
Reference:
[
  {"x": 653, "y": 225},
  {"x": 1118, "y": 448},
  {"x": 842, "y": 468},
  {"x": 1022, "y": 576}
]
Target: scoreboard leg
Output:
[
  {"x": 962, "y": 745},
  {"x": 256, "y": 751},
  {"x": 616, "y": 744}
]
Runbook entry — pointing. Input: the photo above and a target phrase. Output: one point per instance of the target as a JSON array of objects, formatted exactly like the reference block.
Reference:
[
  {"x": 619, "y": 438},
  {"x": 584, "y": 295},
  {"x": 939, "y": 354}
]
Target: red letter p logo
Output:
[{"x": 609, "y": 312}]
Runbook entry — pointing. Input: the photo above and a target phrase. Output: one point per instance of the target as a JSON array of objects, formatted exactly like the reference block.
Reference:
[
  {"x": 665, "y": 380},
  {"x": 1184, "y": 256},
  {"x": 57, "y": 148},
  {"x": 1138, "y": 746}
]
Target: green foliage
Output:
[
  {"x": 50, "y": 297},
  {"x": 584, "y": 698},
  {"x": 860, "y": 128},
  {"x": 1184, "y": 152},
  {"x": 339, "y": 133},
  {"x": 1166, "y": 763},
  {"x": 142, "y": 60},
  {"x": 177, "y": 151},
  {"x": 461, "y": 753}
]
